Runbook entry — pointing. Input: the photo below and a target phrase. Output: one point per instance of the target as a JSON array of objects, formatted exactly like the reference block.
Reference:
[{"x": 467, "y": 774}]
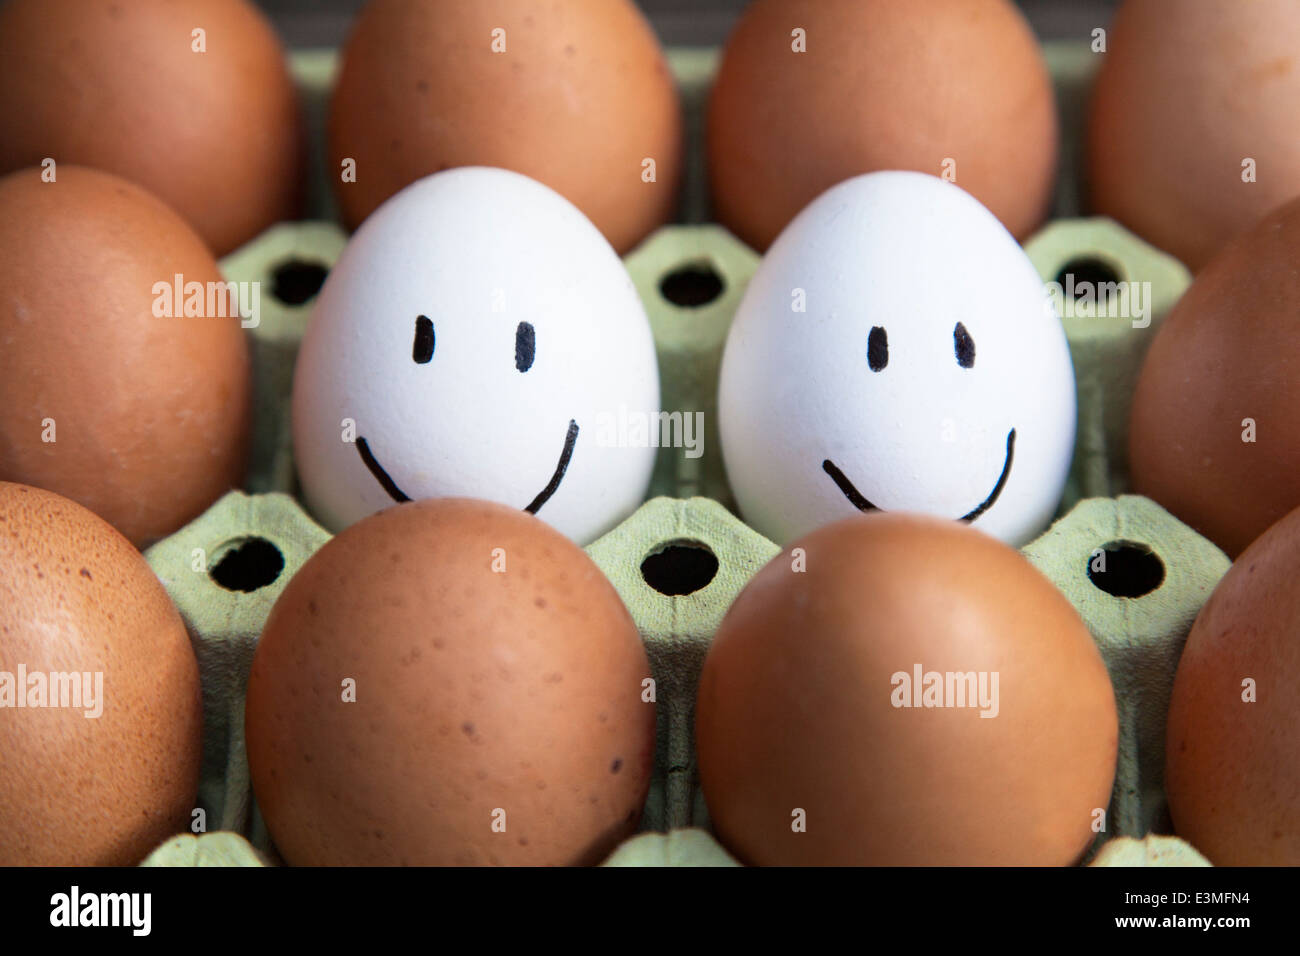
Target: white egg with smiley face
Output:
[
  {"x": 468, "y": 342},
  {"x": 896, "y": 350}
]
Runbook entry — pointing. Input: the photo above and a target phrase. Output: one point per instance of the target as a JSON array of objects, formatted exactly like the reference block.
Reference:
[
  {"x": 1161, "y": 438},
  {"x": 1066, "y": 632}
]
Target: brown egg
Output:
[
  {"x": 818, "y": 744},
  {"x": 1232, "y": 764},
  {"x": 121, "y": 85},
  {"x": 1188, "y": 91},
  {"x": 449, "y": 682},
  {"x": 935, "y": 86},
  {"x": 143, "y": 419},
  {"x": 576, "y": 95},
  {"x": 100, "y": 714},
  {"x": 1213, "y": 434}
]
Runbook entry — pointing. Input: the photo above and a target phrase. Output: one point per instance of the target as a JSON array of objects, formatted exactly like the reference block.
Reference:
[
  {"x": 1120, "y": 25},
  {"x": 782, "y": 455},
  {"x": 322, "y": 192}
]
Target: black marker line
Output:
[
  {"x": 987, "y": 503},
  {"x": 846, "y": 486},
  {"x": 860, "y": 502},
  {"x": 397, "y": 494},
  {"x": 545, "y": 494},
  {"x": 381, "y": 476}
]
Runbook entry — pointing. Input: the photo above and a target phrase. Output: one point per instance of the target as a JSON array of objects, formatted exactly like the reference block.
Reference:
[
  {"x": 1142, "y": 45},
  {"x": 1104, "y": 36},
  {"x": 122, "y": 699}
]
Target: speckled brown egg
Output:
[
  {"x": 576, "y": 95},
  {"x": 1232, "y": 761},
  {"x": 813, "y": 92},
  {"x": 1192, "y": 124},
  {"x": 193, "y": 100},
  {"x": 901, "y": 690},
  {"x": 1213, "y": 433},
  {"x": 449, "y": 682},
  {"x": 100, "y": 714},
  {"x": 142, "y": 417}
]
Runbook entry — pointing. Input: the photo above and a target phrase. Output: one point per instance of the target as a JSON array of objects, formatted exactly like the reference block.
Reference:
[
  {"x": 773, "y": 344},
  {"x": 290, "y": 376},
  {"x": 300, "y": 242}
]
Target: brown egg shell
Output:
[
  {"x": 75, "y": 596},
  {"x": 476, "y": 692},
  {"x": 1232, "y": 766},
  {"x": 117, "y": 85},
  {"x": 1187, "y": 91},
  {"x": 883, "y": 84},
  {"x": 579, "y": 98},
  {"x": 151, "y": 416},
  {"x": 795, "y": 707},
  {"x": 1227, "y": 356}
]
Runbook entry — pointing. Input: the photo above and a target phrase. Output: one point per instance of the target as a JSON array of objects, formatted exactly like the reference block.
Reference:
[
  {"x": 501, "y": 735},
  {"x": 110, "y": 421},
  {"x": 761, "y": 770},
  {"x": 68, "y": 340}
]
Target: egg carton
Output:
[{"x": 682, "y": 558}]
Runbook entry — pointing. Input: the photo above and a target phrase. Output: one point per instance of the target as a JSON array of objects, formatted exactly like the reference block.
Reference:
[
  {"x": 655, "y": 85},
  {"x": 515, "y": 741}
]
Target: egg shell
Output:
[
  {"x": 143, "y": 419},
  {"x": 937, "y": 86},
  {"x": 1233, "y": 759},
  {"x": 498, "y": 714},
  {"x": 77, "y": 789},
  {"x": 1189, "y": 91},
  {"x": 922, "y": 263},
  {"x": 577, "y": 95},
  {"x": 119, "y": 85},
  {"x": 1213, "y": 435},
  {"x": 535, "y": 345},
  {"x": 798, "y": 706}
]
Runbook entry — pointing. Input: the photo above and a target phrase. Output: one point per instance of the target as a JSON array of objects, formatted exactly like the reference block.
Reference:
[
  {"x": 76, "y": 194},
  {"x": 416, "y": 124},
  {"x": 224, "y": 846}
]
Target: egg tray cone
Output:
[
  {"x": 682, "y": 558},
  {"x": 1108, "y": 338}
]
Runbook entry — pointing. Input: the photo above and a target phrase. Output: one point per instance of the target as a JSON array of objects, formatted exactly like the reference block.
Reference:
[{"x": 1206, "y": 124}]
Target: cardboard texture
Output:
[
  {"x": 1108, "y": 337},
  {"x": 224, "y": 625},
  {"x": 1125, "y": 543},
  {"x": 691, "y": 262}
]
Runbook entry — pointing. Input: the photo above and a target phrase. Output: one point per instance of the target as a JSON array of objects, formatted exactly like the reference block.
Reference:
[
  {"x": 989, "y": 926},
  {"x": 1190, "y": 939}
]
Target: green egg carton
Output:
[
  {"x": 1108, "y": 334},
  {"x": 1137, "y": 576}
]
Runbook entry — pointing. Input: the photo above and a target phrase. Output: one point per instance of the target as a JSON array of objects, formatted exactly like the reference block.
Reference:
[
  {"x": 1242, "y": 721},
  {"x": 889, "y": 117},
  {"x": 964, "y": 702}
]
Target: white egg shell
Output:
[
  {"x": 533, "y": 335},
  {"x": 811, "y": 432}
]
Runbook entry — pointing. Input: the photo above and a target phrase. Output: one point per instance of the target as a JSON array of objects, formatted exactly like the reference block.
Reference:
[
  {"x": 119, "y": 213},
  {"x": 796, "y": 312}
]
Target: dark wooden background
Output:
[{"x": 305, "y": 23}]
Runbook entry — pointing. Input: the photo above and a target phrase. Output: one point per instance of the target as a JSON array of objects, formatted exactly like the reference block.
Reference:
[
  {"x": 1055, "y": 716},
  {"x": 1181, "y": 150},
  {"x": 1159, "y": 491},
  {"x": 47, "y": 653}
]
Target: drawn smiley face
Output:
[
  {"x": 896, "y": 351},
  {"x": 467, "y": 343},
  {"x": 878, "y": 360},
  {"x": 525, "y": 354}
]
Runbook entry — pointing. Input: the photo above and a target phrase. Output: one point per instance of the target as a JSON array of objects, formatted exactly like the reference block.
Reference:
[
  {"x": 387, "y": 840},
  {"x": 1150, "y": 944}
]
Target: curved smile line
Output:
[
  {"x": 543, "y": 496},
  {"x": 862, "y": 504}
]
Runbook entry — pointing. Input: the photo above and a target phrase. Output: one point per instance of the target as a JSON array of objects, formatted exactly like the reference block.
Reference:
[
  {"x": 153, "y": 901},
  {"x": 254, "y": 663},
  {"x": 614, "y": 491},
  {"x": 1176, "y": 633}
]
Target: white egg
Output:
[
  {"x": 897, "y": 350},
  {"x": 471, "y": 339}
]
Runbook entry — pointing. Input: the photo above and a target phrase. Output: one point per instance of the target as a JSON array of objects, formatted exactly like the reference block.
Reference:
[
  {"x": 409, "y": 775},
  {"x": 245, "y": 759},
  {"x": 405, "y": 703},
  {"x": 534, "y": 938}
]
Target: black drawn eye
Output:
[
  {"x": 422, "y": 351},
  {"x": 525, "y": 346},
  {"x": 877, "y": 349},
  {"x": 963, "y": 345}
]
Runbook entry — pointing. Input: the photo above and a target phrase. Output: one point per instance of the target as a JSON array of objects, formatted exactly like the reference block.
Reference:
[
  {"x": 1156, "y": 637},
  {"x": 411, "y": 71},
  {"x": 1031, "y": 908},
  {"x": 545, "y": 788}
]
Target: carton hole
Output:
[
  {"x": 251, "y": 563},
  {"x": 1125, "y": 569},
  {"x": 679, "y": 567},
  {"x": 296, "y": 281},
  {"x": 692, "y": 285},
  {"x": 1087, "y": 271}
]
